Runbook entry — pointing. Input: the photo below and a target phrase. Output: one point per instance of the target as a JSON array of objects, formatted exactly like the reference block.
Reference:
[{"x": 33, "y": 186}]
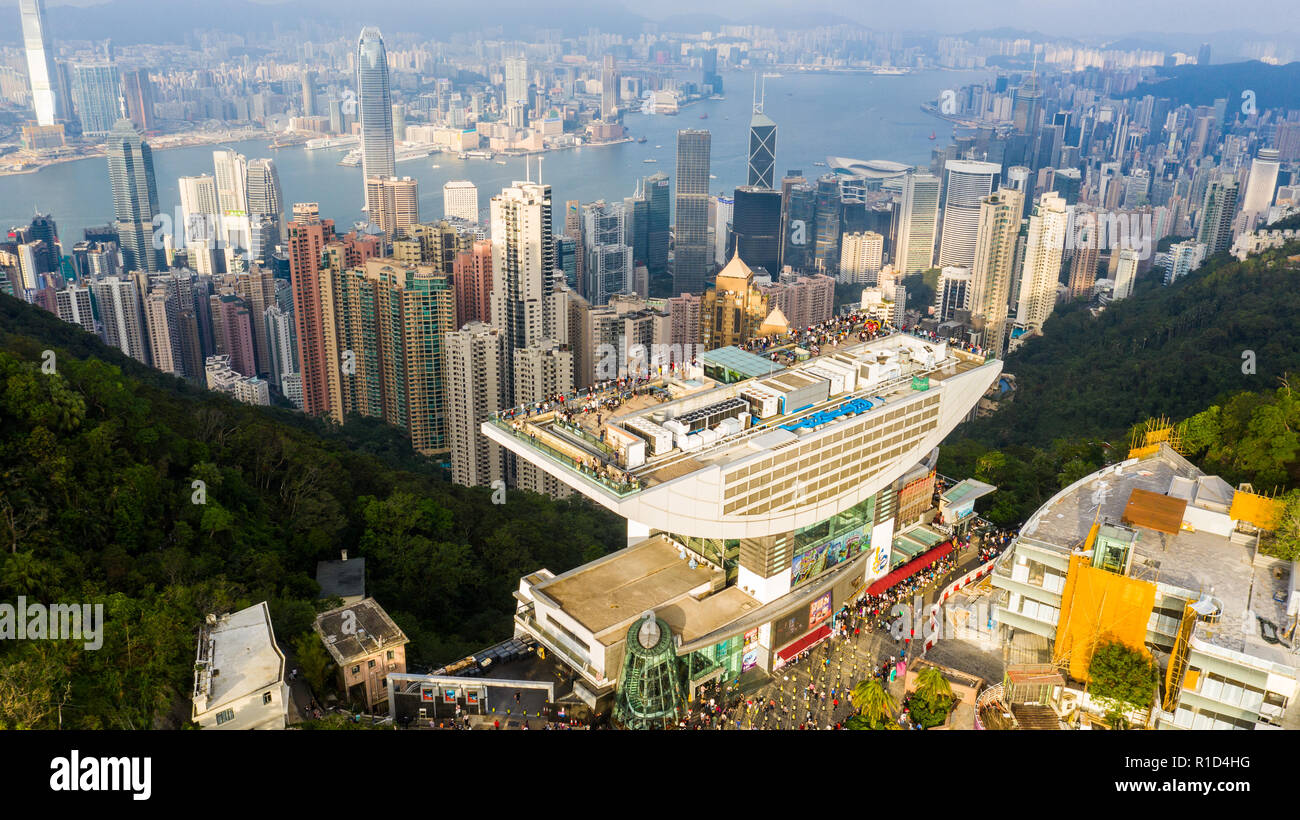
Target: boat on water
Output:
[
  {"x": 501, "y": 162},
  {"x": 775, "y": 75},
  {"x": 650, "y": 159},
  {"x": 436, "y": 165},
  {"x": 659, "y": 146},
  {"x": 932, "y": 135},
  {"x": 820, "y": 163},
  {"x": 641, "y": 141},
  {"x": 704, "y": 116},
  {"x": 713, "y": 176}
]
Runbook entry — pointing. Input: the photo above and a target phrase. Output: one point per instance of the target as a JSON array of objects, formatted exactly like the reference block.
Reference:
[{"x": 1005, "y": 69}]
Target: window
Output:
[
  {"x": 390, "y": 654},
  {"x": 370, "y": 664},
  {"x": 356, "y": 670},
  {"x": 225, "y": 716},
  {"x": 266, "y": 698}
]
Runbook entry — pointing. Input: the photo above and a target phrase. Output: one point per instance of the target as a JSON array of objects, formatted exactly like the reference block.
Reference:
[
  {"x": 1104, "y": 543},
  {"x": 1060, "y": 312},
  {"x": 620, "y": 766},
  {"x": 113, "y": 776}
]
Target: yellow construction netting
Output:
[
  {"x": 1154, "y": 432},
  {"x": 1260, "y": 510},
  {"x": 1098, "y": 606},
  {"x": 1143, "y": 452}
]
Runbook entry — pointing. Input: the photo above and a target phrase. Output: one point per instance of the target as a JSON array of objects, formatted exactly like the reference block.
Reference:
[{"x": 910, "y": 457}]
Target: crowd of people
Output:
[
  {"x": 811, "y": 691},
  {"x": 849, "y": 328},
  {"x": 952, "y": 341}
]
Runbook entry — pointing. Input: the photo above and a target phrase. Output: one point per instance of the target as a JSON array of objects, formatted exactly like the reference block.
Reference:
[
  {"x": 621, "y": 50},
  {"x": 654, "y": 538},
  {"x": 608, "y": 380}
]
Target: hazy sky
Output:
[{"x": 1268, "y": 18}]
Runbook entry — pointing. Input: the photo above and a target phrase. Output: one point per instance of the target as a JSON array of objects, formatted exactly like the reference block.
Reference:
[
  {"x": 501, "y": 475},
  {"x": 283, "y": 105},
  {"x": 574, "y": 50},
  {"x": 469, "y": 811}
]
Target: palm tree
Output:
[
  {"x": 932, "y": 687},
  {"x": 873, "y": 702}
]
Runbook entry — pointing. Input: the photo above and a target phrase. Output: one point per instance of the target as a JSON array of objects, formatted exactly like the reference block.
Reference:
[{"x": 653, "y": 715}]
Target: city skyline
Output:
[{"x": 807, "y": 377}]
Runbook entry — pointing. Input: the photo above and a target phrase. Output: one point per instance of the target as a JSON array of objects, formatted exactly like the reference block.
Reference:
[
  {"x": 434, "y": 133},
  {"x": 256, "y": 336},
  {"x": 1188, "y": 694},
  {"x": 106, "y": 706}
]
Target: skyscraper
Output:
[
  {"x": 309, "y": 93},
  {"x": 827, "y": 205},
  {"x": 265, "y": 208},
  {"x": 137, "y": 90},
  {"x": 394, "y": 204},
  {"x": 657, "y": 196},
  {"x": 573, "y": 229},
  {"x": 540, "y": 371},
  {"x": 96, "y": 91},
  {"x": 460, "y": 199},
  {"x": 1083, "y": 261},
  {"x": 523, "y": 261},
  {"x": 50, "y": 107},
  {"x": 73, "y": 303},
  {"x": 231, "y": 173},
  {"x": 472, "y": 276},
  {"x": 860, "y": 257},
  {"x": 308, "y": 234},
  {"x": 997, "y": 225},
  {"x": 201, "y": 215},
  {"x": 919, "y": 223},
  {"x": 135, "y": 197},
  {"x": 722, "y": 209},
  {"x": 164, "y": 341},
  {"x": 44, "y": 228},
  {"x": 756, "y": 226},
  {"x": 1025, "y": 111},
  {"x": 1125, "y": 274},
  {"x": 798, "y": 232},
  {"x": 516, "y": 71},
  {"x": 1041, "y": 271},
  {"x": 476, "y": 382},
  {"x": 283, "y": 347},
  {"x": 608, "y": 89},
  {"x": 1067, "y": 182},
  {"x": 691, "y": 231},
  {"x": 607, "y": 252},
  {"x": 1260, "y": 186},
  {"x": 1216, "y": 214},
  {"x": 968, "y": 184},
  {"x": 375, "y": 107},
  {"x": 762, "y": 148},
  {"x": 121, "y": 315}
]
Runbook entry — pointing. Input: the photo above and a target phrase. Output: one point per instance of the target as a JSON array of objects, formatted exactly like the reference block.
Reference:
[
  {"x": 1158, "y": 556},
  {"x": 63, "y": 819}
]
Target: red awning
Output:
[
  {"x": 804, "y": 642},
  {"x": 911, "y": 568}
]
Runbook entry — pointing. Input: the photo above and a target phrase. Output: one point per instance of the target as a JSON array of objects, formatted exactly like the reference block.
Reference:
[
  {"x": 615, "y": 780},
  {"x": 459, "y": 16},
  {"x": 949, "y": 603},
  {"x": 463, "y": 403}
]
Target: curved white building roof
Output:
[{"x": 870, "y": 168}]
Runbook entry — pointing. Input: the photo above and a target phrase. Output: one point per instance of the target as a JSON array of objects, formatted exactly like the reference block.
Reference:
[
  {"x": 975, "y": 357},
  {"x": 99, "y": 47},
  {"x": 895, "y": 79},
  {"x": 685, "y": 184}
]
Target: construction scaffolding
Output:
[
  {"x": 1148, "y": 436},
  {"x": 1097, "y": 606},
  {"x": 1178, "y": 659},
  {"x": 1256, "y": 509}
]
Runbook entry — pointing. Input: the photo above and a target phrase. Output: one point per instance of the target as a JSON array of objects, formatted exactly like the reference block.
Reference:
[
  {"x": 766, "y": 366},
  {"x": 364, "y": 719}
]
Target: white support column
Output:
[{"x": 636, "y": 533}]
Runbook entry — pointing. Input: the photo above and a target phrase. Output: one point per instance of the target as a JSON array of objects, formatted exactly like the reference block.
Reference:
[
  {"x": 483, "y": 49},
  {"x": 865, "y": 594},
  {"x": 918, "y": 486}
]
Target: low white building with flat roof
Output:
[{"x": 239, "y": 678}]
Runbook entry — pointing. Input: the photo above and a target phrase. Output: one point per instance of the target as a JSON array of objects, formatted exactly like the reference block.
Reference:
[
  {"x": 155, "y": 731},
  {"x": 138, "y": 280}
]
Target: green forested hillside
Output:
[
  {"x": 1168, "y": 351},
  {"x": 97, "y": 504}
]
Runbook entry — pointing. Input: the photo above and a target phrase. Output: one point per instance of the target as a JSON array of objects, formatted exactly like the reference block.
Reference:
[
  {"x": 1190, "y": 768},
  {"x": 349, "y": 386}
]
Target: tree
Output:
[
  {"x": 932, "y": 687},
  {"x": 313, "y": 660},
  {"x": 874, "y": 703},
  {"x": 1123, "y": 679},
  {"x": 1284, "y": 542}
]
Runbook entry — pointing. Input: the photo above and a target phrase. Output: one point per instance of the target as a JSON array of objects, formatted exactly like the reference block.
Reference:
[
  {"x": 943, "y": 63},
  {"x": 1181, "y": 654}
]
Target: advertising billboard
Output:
[
  {"x": 750, "y": 657},
  {"x": 819, "y": 611},
  {"x": 789, "y": 627},
  {"x": 807, "y": 564}
]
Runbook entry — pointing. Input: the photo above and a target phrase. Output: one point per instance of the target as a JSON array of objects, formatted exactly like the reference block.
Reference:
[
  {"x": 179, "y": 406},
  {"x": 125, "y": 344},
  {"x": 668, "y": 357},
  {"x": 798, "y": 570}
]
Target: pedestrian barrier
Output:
[{"x": 936, "y": 609}]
